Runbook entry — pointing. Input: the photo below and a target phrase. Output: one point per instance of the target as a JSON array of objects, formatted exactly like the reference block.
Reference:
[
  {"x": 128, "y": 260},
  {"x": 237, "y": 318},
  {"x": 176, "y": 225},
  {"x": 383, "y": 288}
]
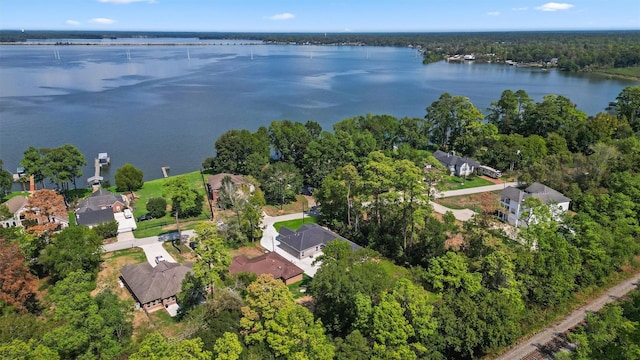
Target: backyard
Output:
[{"x": 457, "y": 183}]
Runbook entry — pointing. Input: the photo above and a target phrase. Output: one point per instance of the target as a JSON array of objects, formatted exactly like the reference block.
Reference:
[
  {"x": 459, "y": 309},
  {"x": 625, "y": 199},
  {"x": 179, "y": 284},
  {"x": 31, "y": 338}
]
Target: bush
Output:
[
  {"x": 192, "y": 211},
  {"x": 157, "y": 207},
  {"x": 107, "y": 230}
]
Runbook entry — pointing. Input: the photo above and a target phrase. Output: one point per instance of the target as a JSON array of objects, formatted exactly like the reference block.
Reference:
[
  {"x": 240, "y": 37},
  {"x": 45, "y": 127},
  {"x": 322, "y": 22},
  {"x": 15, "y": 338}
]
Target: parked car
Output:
[
  {"x": 159, "y": 259},
  {"x": 145, "y": 217},
  {"x": 128, "y": 214}
]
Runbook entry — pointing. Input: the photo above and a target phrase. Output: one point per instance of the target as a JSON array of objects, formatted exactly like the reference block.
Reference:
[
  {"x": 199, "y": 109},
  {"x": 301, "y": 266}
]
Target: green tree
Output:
[
  {"x": 157, "y": 347},
  {"x": 228, "y": 347},
  {"x": 241, "y": 152},
  {"x": 129, "y": 178},
  {"x": 72, "y": 249},
  {"x": 21, "y": 350},
  {"x": 34, "y": 164},
  {"x": 252, "y": 215},
  {"x": 6, "y": 180},
  {"x": 192, "y": 292},
  {"x": 628, "y": 106},
  {"x": 213, "y": 258},
  {"x": 64, "y": 164},
  {"x": 448, "y": 117},
  {"x": 281, "y": 182},
  {"x": 265, "y": 298},
  {"x": 106, "y": 230},
  {"x": 157, "y": 207},
  {"x": 337, "y": 195},
  {"x": 507, "y": 113},
  {"x": 182, "y": 196}
]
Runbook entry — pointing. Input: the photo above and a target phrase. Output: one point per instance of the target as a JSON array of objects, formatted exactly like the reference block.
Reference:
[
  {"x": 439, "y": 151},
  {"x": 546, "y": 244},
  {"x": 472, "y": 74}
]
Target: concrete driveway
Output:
[{"x": 156, "y": 249}]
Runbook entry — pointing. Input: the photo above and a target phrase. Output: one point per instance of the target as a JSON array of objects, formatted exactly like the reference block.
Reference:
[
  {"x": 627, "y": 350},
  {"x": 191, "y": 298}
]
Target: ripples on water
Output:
[{"x": 157, "y": 105}]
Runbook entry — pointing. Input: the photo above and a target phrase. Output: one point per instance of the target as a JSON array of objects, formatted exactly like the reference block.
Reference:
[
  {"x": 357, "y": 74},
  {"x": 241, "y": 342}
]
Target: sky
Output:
[{"x": 319, "y": 16}]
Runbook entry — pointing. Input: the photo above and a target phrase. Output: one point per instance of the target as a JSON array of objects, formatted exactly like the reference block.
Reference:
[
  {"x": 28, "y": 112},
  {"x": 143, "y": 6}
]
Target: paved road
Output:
[
  {"x": 532, "y": 344},
  {"x": 270, "y": 243}
]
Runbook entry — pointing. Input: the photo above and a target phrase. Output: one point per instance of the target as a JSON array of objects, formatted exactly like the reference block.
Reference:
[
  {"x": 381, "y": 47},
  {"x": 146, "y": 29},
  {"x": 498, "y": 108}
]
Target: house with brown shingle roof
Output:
[
  {"x": 15, "y": 205},
  {"x": 270, "y": 263},
  {"x": 154, "y": 287}
]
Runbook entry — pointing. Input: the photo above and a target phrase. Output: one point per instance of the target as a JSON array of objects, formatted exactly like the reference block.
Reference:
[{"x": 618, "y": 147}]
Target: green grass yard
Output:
[
  {"x": 295, "y": 223},
  {"x": 457, "y": 183}
]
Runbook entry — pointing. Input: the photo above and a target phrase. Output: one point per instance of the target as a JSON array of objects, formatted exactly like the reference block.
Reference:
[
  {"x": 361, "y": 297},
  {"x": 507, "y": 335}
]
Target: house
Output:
[
  {"x": 16, "y": 205},
  {"x": 99, "y": 208},
  {"x": 308, "y": 240},
  {"x": 458, "y": 166},
  {"x": 270, "y": 263},
  {"x": 215, "y": 184},
  {"x": 154, "y": 287},
  {"x": 512, "y": 201}
]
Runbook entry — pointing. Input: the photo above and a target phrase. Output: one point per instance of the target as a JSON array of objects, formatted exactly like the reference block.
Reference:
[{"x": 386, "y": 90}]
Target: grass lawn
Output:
[
  {"x": 456, "y": 183},
  {"x": 154, "y": 188},
  {"x": 14, "y": 194},
  {"x": 630, "y": 72},
  {"x": 300, "y": 285},
  {"x": 295, "y": 223},
  {"x": 182, "y": 257},
  {"x": 166, "y": 225}
]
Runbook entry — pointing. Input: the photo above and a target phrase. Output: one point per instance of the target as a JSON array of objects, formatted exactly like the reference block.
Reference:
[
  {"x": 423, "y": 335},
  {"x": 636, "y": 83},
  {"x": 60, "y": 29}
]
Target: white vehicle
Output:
[
  {"x": 159, "y": 259},
  {"x": 128, "y": 214},
  {"x": 490, "y": 172}
]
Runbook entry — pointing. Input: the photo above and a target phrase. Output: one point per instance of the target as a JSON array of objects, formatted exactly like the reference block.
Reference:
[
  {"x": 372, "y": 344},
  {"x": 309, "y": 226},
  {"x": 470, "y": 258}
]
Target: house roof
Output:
[
  {"x": 99, "y": 199},
  {"x": 537, "y": 190},
  {"x": 450, "y": 159},
  {"x": 215, "y": 181},
  {"x": 309, "y": 236},
  {"x": 16, "y": 203},
  {"x": 545, "y": 193},
  {"x": 93, "y": 217},
  {"x": 151, "y": 283},
  {"x": 270, "y": 263}
]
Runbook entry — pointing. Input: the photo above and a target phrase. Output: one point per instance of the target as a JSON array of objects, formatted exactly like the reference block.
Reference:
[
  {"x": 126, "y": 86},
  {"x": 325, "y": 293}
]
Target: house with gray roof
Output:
[
  {"x": 457, "y": 165},
  {"x": 308, "y": 240},
  {"x": 154, "y": 287},
  {"x": 512, "y": 203},
  {"x": 99, "y": 208}
]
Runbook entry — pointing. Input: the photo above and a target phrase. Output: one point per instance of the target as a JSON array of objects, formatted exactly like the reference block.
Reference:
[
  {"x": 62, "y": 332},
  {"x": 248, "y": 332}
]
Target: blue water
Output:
[{"x": 159, "y": 105}]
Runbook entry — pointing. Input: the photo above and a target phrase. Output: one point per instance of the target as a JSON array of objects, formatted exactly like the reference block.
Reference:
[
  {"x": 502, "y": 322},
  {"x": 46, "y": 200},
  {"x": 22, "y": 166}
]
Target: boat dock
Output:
[
  {"x": 95, "y": 181},
  {"x": 165, "y": 171}
]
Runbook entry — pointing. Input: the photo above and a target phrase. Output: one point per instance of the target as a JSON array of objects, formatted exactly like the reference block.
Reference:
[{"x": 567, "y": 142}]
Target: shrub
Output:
[{"x": 107, "y": 230}]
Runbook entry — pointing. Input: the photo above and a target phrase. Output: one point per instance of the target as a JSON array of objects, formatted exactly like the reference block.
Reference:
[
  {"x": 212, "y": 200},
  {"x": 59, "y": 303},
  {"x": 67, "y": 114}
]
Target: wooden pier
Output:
[
  {"x": 165, "y": 171},
  {"x": 96, "y": 180}
]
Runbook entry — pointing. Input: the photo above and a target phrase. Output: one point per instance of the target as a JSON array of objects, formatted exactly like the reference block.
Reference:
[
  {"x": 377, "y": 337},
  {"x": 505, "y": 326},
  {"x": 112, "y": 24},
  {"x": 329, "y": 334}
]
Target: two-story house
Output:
[
  {"x": 512, "y": 203},
  {"x": 458, "y": 166}
]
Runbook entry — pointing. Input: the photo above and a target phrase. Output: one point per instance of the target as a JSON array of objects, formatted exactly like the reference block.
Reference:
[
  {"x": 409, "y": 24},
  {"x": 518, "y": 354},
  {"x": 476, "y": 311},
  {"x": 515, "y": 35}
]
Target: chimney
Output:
[{"x": 32, "y": 183}]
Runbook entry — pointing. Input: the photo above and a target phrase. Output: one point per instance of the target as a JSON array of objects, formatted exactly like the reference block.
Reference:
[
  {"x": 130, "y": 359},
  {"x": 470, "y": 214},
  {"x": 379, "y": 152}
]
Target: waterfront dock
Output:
[{"x": 102, "y": 160}]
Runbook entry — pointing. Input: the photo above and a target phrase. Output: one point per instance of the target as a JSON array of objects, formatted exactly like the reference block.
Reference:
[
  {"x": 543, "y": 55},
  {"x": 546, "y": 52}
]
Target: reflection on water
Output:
[{"x": 159, "y": 105}]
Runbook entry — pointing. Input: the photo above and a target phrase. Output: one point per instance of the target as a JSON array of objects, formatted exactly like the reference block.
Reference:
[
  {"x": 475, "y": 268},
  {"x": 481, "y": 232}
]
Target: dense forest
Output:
[
  {"x": 574, "y": 50},
  {"x": 410, "y": 292}
]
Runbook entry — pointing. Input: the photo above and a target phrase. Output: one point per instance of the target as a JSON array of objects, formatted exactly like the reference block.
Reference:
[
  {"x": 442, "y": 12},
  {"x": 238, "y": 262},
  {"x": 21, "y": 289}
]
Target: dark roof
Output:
[
  {"x": 270, "y": 263},
  {"x": 309, "y": 236},
  {"x": 537, "y": 190},
  {"x": 98, "y": 200},
  {"x": 93, "y": 217},
  {"x": 152, "y": 283},
  {"x": 450, "y": 159},
  {"x": 545, "y": 193},
  {"x": 215, "y": 181}
]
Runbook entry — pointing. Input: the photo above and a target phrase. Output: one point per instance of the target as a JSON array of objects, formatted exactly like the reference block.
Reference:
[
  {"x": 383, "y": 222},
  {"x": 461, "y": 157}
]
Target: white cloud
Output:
[
  {"x": 493, "y": 13},
  {"x": 283, "y": 16},
  {"x": 72, "y": 22},
  {"x": 553, "y": 6},
  {"x": 126, "y": 1},
  {"x": 102, "y": 21},
  {"x": 524, "y": 8}
]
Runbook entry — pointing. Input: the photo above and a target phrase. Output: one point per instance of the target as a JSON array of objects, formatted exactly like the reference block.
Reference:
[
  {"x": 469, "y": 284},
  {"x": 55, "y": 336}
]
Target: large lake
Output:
[{"x": 161, "y": 105}]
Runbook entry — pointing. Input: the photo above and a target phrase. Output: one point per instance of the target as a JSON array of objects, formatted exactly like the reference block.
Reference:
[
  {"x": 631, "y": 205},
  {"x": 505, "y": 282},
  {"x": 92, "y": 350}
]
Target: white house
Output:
[
  {"x": 512, "y": 202},
  {"x": 16, "y": 205},
  {"x": 458, "y": 166}
]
